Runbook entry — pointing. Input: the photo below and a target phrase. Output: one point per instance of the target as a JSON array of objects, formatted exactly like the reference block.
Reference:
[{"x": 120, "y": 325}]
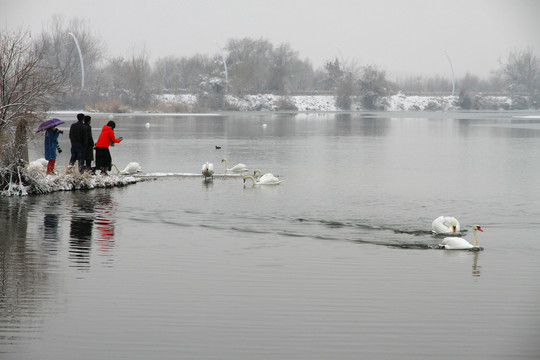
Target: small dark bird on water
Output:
[{"x": 218, "y": 147}]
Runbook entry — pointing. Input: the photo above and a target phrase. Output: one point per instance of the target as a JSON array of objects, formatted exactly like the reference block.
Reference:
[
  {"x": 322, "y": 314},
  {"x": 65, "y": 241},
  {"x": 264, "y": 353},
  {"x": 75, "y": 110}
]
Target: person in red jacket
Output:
[{"x": 103, "y": 155}]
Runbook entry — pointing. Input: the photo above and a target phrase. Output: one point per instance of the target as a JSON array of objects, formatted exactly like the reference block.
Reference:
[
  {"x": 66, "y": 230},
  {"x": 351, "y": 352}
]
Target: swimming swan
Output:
[
  {"x": 208, "y": 171},
  {"x": 456, "y": 243},
  {"x": 268, "y": 181},
  {"x": 238, "y": 168},
  {"x": 265, "y": 178},
  {"x": 445, "y": 225}
]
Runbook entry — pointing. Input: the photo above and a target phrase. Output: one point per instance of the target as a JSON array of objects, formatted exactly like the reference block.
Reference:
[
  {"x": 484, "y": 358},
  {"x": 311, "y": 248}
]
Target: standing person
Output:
[
  {"x": 89, "y": 148},
  {"x": 51, "y": 145},
  {"x": 78, "y": 137},
  {"x": 103, "y": 155}
]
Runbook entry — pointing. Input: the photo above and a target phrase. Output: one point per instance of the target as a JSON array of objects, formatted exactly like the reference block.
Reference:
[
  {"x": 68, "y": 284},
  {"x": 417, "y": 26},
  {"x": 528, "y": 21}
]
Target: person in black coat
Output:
[
  {"x": 78, "y": 136},
  {"x": 89, "y": 148}
]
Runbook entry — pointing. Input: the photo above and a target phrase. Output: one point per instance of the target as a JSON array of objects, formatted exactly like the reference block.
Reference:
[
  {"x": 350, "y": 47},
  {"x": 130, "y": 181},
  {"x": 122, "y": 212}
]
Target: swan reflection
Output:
[{"x": 475, "y": 267}]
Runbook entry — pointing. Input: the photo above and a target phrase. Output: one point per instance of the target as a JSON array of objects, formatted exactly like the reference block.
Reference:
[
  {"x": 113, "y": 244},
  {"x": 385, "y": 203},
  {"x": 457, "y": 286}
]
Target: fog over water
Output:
[{"x": 403, "y": 37}]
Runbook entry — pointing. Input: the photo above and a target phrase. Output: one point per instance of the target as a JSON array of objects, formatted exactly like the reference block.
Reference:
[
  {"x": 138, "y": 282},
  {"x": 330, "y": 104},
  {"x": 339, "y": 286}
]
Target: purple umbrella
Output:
[{"x": 49, "y": 124}]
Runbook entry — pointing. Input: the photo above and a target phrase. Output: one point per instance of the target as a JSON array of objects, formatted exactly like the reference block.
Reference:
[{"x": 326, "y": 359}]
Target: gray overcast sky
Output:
[{"x": 406, "y": 37}]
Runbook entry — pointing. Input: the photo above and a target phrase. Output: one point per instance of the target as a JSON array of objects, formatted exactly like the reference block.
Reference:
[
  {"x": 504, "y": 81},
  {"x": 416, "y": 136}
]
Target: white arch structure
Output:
[
  {"x": 453, "y": 76},
  {"x": 81, "y": 58}
]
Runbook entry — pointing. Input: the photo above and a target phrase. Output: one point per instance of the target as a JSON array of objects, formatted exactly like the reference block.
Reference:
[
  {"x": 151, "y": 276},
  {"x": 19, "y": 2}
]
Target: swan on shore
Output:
[
  {"x": 268, "y": 181},
  {"x": 268, "y": 177},
  {"x": 208, "y": 171},
  {"x": 445, "y": 225},
  {"x": 39, "y": 164},
  {"x": 456, "y": 243},
  {"x": 130, "y": 169},
  {"x": 238, "y": 168}
]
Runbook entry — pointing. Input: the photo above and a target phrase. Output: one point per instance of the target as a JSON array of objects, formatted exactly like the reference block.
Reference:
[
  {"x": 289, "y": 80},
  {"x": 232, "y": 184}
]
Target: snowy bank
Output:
[
  {"x": 30, "y": 181},
  {"x": 398, "y": 102}
]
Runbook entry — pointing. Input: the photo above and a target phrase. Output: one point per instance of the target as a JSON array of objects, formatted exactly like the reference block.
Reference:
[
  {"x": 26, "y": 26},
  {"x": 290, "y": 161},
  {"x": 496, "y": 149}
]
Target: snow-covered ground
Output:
[
  {"x": 398, "y": 102},
  {"x": 33, "y": 180}
]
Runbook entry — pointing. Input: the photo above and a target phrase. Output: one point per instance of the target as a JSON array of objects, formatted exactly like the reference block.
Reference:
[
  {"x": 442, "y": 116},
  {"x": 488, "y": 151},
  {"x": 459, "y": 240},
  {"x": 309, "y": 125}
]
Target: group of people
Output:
[{"x": 83, "y": 146}]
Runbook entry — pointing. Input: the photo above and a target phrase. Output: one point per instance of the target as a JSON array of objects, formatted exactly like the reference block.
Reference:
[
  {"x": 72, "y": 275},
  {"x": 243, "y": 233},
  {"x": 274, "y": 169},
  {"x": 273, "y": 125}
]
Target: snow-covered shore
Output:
[
  {"x": 398, "y": 102},
  {"x": 28, "y": 181}
]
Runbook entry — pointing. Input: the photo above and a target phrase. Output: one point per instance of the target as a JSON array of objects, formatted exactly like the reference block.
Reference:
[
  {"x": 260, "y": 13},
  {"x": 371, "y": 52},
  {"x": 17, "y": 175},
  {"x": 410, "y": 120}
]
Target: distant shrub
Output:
[
  {"x": 373, "y": 85},
  {"x": 433, "y": 106},
  {"x": 286, "y": 103},
  {"x": 110, "y": 106},
  {"x": 172, "y": 107},
  {"x": 520, "y": 103},
  {"x": 465, "y": 102}
]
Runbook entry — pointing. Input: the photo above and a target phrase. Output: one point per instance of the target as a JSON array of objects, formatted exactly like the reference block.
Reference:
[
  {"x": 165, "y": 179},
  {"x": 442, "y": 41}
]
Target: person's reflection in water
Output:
[
  {"x": 81, "y": 230},
  {"x": 105, "y": 227},
  {"x": 50, "y": 232}
]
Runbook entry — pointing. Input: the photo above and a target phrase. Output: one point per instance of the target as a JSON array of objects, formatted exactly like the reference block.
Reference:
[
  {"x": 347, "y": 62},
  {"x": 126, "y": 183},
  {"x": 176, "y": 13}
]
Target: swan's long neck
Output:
[
  {"x": 250, "y": 177},
  {"x": 255, "y": 172},
  {"x": 226, "y": 164},
  {"x": 475, "y": 238}
]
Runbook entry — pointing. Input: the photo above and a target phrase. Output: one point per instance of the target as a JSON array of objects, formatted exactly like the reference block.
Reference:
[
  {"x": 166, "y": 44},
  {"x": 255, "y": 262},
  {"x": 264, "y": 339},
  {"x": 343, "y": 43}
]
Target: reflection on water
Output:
[
  {"x": 92, "y": 221},
  {"x": 82, "y": 221},
  {"x": 475, "y": 267},
  {"x": 105, "y": 227},
  {"x": 50, "y": 226},
  {"x": 50, "y": 232},
  {"x": 24, "y": 281}
]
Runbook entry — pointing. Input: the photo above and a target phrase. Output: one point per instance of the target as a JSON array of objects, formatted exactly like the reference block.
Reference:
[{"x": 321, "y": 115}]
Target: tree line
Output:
[{"x": 249, "y": 66}]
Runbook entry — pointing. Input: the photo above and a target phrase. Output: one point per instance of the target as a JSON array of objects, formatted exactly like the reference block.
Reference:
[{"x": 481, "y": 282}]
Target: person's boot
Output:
[{"x": 50, "y": 166}]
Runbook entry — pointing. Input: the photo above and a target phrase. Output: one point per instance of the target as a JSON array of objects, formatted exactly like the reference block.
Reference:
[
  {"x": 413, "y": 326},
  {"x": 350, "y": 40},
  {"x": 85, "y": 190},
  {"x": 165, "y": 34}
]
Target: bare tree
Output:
[
  {"x": 373, "y": 85},
  {"x": 334, "y": 73},
  {"x": 521, "y": 72},
  {"x": 137, "y": 78},
  {"x": 345, "y": 90},
  {"x": 167, "y": 75},
  {"x": 26, "y": 89},
  {"x": 60, "y": 44},
  {"x": 126, "y": 81},
  {"x": 283, "y": 58},
  {"x": 249, "y": 64},
  {"x": 198, "y": 67},
  {"x": 302, "y": 76}
]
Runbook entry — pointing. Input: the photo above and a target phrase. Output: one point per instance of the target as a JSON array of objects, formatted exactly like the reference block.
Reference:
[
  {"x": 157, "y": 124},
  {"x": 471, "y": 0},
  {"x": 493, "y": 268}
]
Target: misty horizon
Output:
[{"x": 404, "y": 38}]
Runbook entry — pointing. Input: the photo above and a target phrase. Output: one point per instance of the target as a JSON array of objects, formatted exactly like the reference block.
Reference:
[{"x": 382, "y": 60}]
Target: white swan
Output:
[
  {"x": 131, "y": 168},
  {"x": 208, "y": 171},
  {"x": 39, "y": 164},
  {"x": 445, "y": 225},
  {"x": 238, "y": 168},
  {"x": 267, "y": 181},
  {"x": 268, "y": 177},
  {"x": 456, "y": 243}
]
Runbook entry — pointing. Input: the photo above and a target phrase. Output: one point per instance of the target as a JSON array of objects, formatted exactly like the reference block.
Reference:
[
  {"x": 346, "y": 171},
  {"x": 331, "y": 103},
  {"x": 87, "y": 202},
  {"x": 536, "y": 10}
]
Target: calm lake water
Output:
[{"x": 336, "y": 262}]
